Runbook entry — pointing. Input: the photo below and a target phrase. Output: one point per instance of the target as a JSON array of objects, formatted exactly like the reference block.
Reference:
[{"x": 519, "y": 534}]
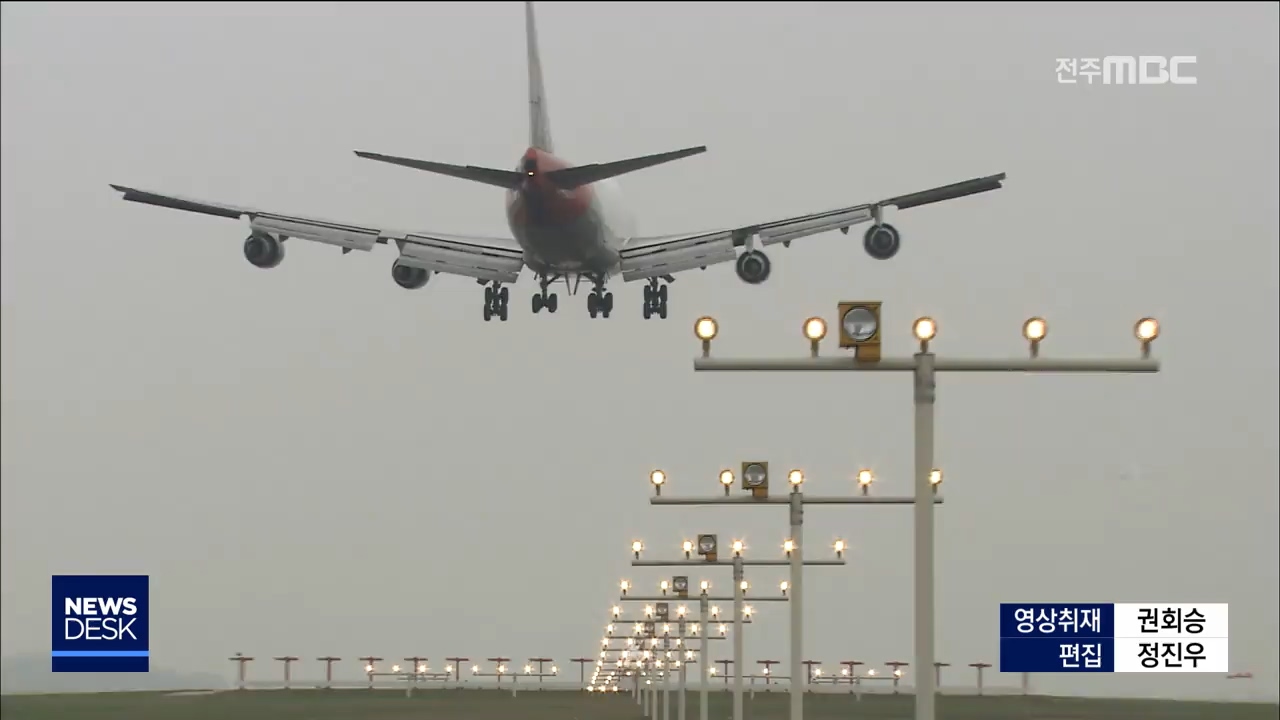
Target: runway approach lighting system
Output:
[
  {"x": 659, "y": 614},
  {"x": 657, "y": 478},
  {"x": 1035, "y": 330},
  {"x": 1146, "y": 330},
  {"x": 865, "y": 478},
  {"x": 925, "y": 329},
  {"x": 705, "y": 328},
  {"x": 815, "y": 328},
  {"x": 708, "y": 547},
  {"x": 861, "y": 329},
  {"x": 755, "y": 478}
]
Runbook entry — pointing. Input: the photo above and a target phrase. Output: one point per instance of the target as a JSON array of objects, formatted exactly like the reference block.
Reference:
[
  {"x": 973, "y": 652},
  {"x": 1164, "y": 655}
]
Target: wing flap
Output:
[
  {"x": 648, "y": 246},
  {"x": 785, "y": 232},
  {"x": 343, "y": 236},
  {"x": 444, "y": 256},
  {"x": 676, "y": 254}
]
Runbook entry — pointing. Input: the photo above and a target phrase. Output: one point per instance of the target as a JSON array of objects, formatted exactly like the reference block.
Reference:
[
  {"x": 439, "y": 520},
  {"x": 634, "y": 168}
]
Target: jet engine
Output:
[
  {"x": 882, "y": 241},
  {"x": 409, "y": 277},
  {"x": 263, "y": 250},
  {"x": 753, "y": 267}
]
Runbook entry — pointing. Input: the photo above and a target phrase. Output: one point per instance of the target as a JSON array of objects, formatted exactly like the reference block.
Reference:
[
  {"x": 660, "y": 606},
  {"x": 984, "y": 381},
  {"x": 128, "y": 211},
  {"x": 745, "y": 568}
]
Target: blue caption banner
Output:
[
  {"x": 1057, "y": 637},
  {"x": 100, "y": 623}
]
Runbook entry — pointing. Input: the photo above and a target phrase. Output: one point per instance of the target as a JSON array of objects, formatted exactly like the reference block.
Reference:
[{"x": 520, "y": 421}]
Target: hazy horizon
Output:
[{"x": 312, "y": 460}]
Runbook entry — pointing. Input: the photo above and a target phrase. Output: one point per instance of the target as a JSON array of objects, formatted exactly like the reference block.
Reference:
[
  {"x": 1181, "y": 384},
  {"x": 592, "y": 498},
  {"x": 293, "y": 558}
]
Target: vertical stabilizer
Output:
[{"x": 539, "y": 124}]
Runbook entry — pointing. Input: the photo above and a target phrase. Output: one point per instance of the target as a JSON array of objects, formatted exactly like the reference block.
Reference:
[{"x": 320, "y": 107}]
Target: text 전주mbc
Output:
[{"x": 100, "y": 623}]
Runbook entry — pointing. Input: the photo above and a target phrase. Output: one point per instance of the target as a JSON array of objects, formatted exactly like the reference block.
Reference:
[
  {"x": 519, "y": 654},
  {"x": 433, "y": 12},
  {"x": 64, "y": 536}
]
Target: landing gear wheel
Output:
[
  {"x": 599, "y": 304},
  {"x": 546, "y": 300},
  {"x": 495, "y": 303},
  {"x": 655, "y": 301}
]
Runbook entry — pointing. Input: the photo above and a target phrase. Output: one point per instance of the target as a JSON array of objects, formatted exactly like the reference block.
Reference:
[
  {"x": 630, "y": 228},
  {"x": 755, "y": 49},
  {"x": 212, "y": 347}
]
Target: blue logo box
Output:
[{"x": 100, "y": 623}]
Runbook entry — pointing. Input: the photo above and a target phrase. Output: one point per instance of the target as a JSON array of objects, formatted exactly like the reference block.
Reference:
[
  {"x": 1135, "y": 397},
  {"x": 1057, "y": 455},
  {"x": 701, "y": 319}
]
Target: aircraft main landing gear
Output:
[
  {"x": 599, "y": 302},
  {"x": 495, "y": 302},
  {"x": 655, "y": 299}
]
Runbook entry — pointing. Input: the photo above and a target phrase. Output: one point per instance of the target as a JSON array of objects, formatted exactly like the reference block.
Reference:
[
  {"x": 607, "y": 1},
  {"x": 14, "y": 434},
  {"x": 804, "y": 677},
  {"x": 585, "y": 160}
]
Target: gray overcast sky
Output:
[{"x": 312, "y": 460}]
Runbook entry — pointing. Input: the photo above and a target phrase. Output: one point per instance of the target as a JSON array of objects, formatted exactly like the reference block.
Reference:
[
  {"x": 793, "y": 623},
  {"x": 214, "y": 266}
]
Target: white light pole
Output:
[
  {"x": 500, "y": 670},
  {"x": 860, "y": 329},
  {"x": 581, "y": 662},
  {"x": 541, "y": 661},
  {"x": 241, "y": 660},
  {"x": 328, "y": 661},
  {"x": 755, "y": 479},
  {"x": 707, "y": 546}
]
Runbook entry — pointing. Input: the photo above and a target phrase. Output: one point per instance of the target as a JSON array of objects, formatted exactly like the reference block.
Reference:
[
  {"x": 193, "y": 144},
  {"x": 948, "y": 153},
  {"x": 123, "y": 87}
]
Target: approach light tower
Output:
[
  {"x": 860, "y": 330},
  {"x": 328, "y": 661},
  {"x": 755, "y": 482},
  {"x": 240, "y": 660}
]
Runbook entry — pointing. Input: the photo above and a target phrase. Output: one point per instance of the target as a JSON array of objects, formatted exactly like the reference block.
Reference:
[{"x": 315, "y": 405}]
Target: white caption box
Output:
[
  {"x": 1168, "y": 621},
  {"x": 1163, "y": 655}
]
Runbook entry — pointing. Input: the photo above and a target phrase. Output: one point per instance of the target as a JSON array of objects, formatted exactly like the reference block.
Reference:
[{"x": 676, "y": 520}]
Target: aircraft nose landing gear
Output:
[
  {"x": 495, "y": 302},
  {"x": 545, "y": 299},
  {"x": 655, "y": 299},
  {"x": 599, "y": 302}
]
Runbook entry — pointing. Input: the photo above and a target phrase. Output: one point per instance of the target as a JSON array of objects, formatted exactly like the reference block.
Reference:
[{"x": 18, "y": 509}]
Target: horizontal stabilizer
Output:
[
  {"x": 947, "y": 192},
  {"x": 572, "y": 177},
  {"x": 489, "y": 176}
]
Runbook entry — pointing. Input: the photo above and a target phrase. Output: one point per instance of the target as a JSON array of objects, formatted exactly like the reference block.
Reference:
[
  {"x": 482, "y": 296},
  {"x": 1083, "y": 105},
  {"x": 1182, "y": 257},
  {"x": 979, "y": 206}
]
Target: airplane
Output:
[{"x": 567, "y": 222}]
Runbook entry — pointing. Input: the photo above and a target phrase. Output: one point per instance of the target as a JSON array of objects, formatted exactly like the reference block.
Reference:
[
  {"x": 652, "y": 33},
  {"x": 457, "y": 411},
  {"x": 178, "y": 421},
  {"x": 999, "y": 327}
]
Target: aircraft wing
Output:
[
  {"x": 483, "y": 258},
  {"x": 644, "y": 258}
]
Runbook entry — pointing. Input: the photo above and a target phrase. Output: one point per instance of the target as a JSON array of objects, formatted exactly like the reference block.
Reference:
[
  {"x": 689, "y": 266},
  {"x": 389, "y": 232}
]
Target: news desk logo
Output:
[
  {"x": 1127, "y": 70},
  {"x": 100, "y": 623}
]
